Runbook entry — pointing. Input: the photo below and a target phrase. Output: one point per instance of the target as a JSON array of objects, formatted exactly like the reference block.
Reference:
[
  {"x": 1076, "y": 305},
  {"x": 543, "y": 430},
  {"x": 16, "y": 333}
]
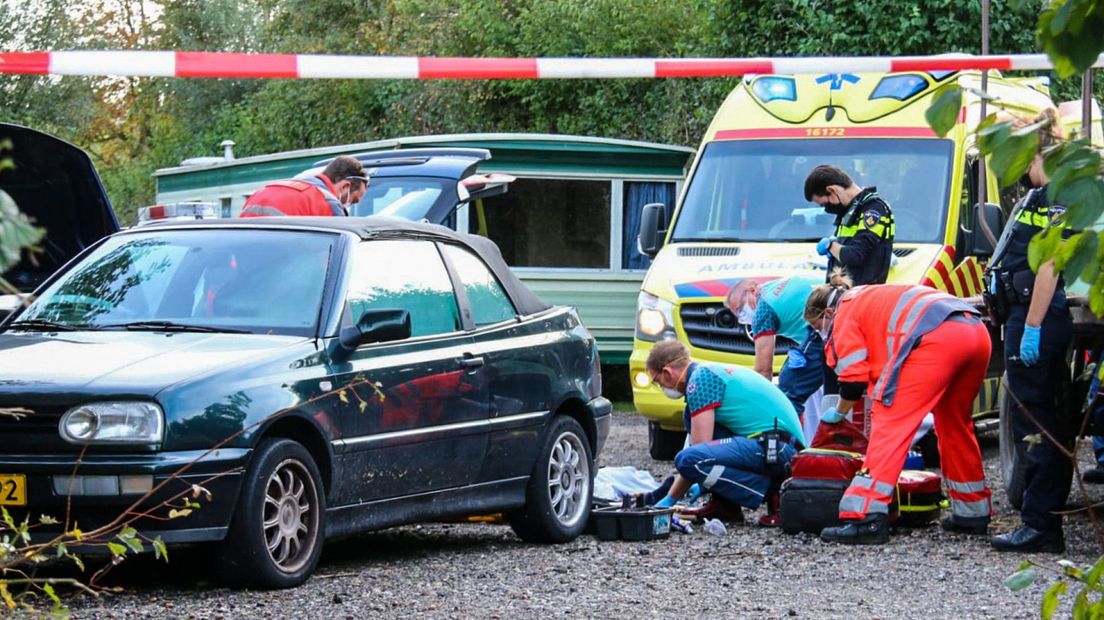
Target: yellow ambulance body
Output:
[{"x": 743, "y": 214}]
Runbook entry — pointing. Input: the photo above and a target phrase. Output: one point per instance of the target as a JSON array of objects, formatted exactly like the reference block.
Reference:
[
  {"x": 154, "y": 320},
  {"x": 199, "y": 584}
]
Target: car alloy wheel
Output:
[
  {"x": 290, "y": 519},
  {"x": 568, "y": 479}
]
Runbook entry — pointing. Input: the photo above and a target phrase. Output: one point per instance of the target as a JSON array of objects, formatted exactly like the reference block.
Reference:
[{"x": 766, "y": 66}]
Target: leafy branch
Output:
[{"x": 20, "y": 557}]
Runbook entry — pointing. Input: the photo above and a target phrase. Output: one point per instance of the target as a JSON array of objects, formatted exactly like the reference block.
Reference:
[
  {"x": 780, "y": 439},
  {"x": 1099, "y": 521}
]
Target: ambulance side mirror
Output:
[
  {"x": 652, "y": 228},
  {"x": 991, "y": 214}
]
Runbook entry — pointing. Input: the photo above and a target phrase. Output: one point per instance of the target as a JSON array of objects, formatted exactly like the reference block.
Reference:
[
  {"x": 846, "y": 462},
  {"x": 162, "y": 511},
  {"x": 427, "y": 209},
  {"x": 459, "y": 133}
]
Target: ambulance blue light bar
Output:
[
  {"x": 899, "y": 87},
  {"x": 773, "y": 88}
]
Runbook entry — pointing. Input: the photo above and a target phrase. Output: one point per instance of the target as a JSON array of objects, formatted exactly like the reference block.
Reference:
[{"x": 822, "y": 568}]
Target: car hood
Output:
[
  {"x": 122, "y": 363},
  {"x": 55, "y": 184}
]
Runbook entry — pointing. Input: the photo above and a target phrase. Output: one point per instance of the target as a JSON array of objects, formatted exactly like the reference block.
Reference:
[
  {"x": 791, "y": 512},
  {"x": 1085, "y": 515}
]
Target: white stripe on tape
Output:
[
  {"x": 1036, "y": 62},
  {"x": 147, "y": 64},
  {"x": 836, "y": 64},
  {"x": 595, "y": 67},
  {"x": 387, "y": 67}
]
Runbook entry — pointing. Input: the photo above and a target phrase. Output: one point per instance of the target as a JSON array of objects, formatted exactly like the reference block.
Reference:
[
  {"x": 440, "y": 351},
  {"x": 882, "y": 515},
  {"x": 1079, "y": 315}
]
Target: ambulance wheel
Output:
[
  {"x": 663, "y": 445},
  {"x": 1013, "y": 460},
  {"x": 1013, "y": 455}
]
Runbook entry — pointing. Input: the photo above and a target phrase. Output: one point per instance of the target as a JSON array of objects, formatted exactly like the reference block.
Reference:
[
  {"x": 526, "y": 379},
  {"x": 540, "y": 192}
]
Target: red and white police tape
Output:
[{"x": 314, "y": 66}]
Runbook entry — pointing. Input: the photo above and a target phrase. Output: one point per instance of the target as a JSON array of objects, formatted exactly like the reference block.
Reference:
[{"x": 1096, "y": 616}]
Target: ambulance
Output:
[{"x": 742, "y": 212}]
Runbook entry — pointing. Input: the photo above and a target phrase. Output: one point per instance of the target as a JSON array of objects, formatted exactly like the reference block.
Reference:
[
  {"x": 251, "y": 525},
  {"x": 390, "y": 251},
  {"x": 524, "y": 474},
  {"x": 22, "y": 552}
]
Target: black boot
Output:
[
  {"x": 1027, "y": 538},
  {"x": 966, "y": 525},
  {"x": 873, "y": 530}
]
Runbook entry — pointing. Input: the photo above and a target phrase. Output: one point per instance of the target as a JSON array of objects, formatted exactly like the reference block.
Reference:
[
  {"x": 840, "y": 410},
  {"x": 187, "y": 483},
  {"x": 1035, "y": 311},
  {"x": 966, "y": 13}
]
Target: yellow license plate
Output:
[{"x": 13, "y": 490}]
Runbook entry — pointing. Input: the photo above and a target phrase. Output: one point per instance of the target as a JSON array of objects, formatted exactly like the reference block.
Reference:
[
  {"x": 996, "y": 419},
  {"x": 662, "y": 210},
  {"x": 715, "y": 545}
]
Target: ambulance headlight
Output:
[{"x": 654, "y": 318}]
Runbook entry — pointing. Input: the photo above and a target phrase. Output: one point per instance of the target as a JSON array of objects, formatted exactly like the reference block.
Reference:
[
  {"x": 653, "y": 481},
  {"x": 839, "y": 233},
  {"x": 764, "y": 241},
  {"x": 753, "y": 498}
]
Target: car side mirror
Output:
[
  {"x": 652, "y": 228},
  {"x": 374, "y": 325},
  {"x": 992, "y": 215}
]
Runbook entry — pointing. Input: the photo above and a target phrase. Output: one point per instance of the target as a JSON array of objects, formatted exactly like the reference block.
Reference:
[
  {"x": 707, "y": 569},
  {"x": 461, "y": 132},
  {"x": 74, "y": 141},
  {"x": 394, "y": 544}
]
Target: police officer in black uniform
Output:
[
  {"x": 863, "y": 241},
  {"x": 1038, "y": 329}
]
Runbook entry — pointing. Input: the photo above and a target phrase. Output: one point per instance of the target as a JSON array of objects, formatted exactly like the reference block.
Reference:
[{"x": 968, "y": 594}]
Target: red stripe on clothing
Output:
[
  {"x": 25, "y": 62},
  {"x": 705, "y": 408},
  {"x": 219, "y": 64},
  {"x": 711, "y": 68},
  {"x": 477, "y": 68},
  {"x": 761, "y": 334}
]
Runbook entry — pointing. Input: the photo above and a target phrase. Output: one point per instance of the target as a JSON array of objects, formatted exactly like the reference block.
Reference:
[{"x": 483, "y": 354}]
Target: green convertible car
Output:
[{"x": 297, "y": 379}]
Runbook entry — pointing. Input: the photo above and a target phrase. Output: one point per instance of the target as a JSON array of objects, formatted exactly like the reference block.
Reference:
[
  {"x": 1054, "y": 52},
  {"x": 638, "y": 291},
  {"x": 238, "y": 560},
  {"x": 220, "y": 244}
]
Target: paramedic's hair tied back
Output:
[
  {"x": 827, "y": 295},
  {"x": 840, "y": 284}
]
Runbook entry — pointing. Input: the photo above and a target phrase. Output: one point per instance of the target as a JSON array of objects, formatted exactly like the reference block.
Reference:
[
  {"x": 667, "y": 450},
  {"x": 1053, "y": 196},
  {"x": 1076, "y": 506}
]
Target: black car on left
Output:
[{"x": 318, "y": 376}]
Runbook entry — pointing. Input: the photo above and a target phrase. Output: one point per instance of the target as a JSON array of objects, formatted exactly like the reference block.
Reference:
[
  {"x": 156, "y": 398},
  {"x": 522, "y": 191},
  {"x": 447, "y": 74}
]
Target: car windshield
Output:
[
  {"x": 408, "y": 198},
  {"x": 258, "y": 281},
  {"x": 754, "y": 190}
]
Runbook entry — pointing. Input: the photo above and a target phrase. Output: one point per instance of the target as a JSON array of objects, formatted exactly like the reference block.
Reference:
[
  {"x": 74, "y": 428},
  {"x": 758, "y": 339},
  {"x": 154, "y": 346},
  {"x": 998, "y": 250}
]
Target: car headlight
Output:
[
  {"x": 654, "y": 318},
  {"x": 113, "y": 423}
]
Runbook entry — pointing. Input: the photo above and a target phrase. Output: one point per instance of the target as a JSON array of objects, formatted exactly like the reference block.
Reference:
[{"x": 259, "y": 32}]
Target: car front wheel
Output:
[
  {"x": 557, "y": 500},
  {"x": 275, "y": 536}
]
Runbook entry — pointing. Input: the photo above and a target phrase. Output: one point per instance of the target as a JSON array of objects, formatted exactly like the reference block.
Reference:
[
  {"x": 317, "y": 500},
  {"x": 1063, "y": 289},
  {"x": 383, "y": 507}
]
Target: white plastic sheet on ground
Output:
[{"x": 613, "y": 483}]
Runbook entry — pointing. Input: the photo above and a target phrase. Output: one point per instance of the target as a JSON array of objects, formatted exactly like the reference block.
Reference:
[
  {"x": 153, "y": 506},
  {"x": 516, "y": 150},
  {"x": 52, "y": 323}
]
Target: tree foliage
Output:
[{"x": 133, "y": 127}]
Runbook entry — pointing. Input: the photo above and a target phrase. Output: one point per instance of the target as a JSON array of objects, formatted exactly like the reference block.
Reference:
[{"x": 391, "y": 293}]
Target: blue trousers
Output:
[
  {"x": 803, "y": 373},
  {"x": 1036, "y": 387},
  {"x": 1098, "y": 449},
  {"x": 732, "y": 468}
]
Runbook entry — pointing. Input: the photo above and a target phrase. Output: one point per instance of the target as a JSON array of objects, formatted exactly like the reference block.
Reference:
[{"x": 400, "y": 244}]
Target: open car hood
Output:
[{"x": 55, "y": 184}]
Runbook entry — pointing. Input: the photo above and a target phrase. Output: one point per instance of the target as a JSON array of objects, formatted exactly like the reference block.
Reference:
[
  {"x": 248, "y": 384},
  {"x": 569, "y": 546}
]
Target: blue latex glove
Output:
[
  {"x": 1029, "y": 345},
  {"x": 694, "y": 492},
  {"x": 832, "y": 416},
  {"x": 823, "y": 245},
  {"x": 666, "y": 502}
]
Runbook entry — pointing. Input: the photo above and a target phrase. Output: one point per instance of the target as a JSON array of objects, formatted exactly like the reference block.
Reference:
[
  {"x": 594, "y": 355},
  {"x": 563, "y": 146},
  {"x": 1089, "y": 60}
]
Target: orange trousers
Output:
[{"x": 942, "y": 375}]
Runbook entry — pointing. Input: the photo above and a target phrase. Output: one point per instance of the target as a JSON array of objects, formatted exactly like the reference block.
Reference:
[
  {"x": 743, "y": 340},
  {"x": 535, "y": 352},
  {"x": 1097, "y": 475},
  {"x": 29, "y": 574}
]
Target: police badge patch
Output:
[{"x": 870, "y": 218}]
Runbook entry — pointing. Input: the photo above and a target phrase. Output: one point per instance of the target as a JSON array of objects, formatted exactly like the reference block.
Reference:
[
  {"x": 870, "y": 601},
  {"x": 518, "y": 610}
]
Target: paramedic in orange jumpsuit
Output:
[{"x": 913, "y": 349}]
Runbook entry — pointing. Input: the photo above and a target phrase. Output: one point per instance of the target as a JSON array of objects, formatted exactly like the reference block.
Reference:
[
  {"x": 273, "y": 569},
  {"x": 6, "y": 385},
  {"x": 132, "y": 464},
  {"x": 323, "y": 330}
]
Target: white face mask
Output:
[
  {"x": 671, "y": 393},
  {"x": 746, "y": 315}
]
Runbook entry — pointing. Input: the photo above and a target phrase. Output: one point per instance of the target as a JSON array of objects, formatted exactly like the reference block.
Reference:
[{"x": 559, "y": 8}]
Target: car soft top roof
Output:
[{"x": 524, "y": 299}]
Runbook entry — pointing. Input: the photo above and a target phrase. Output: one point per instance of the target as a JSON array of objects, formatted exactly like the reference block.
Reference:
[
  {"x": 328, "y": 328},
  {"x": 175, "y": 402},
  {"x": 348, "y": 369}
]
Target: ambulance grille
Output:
[
  {"x": 700, "y": 322},
  {"x": 707, "y": 251}
]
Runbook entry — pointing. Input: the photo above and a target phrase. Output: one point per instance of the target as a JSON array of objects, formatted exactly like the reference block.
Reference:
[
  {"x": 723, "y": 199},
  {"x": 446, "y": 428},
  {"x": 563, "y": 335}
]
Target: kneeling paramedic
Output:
[
  {"x": 913, "y": 349},
  {"x": 743, "y": 431}
]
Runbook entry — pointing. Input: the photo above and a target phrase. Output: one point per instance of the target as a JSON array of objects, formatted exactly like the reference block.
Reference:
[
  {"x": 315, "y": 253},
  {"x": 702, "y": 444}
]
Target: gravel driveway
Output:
[{"x": 484, "y": 571}]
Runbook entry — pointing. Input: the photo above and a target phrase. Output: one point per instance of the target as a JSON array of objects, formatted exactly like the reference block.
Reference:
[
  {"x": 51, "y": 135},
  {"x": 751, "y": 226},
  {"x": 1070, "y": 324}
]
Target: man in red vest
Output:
[{"x": 340, "y": 185}]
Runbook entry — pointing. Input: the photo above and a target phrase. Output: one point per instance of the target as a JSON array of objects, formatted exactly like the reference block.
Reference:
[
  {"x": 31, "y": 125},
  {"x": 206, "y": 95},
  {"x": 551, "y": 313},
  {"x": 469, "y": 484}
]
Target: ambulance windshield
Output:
[{"x": 754, "y": 190}]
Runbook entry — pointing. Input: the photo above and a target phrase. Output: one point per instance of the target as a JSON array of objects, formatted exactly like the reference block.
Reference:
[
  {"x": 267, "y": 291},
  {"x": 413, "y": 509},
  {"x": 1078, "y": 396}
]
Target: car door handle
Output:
[{"x": 471, "y": 362}]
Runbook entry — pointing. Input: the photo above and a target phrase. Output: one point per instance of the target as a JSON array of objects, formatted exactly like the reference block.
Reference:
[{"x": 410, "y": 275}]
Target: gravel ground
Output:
[{"x": 482, "y": 570}]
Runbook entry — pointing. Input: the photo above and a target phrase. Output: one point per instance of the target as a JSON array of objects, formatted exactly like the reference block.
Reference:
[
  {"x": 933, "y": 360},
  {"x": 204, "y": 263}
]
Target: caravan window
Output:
[
  {"x": 636, "y": 195},
  {"x": 549, "y": 223}
]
